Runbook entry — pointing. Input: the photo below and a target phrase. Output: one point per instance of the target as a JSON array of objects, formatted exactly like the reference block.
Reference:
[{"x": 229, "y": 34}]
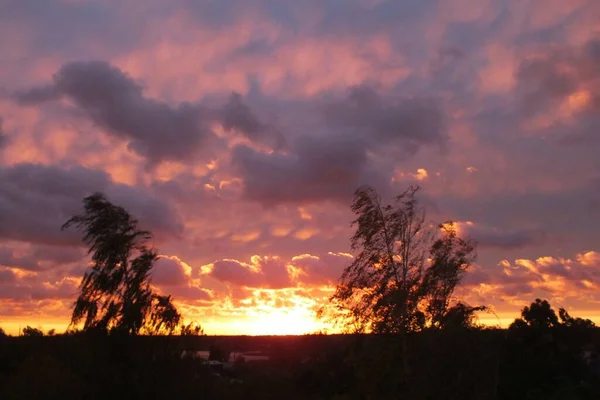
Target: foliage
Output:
[
  {"x": 541, "y": 315},
  {"x": 115, "y": 293},
  {"x": 406, "y": 270},
  {"x": 460, "y": 316},
  {"x": 544, "y": 355},
  {"x": 191, "y": 329},
  {"x": 571, "y": 322},
  {"x": 29, "y": 331},
  {"x": 446, "y": 364}
]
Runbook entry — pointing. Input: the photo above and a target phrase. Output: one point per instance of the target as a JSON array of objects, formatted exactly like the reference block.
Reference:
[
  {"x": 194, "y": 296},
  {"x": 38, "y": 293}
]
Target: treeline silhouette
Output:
[{"x": 406, "y": 335}]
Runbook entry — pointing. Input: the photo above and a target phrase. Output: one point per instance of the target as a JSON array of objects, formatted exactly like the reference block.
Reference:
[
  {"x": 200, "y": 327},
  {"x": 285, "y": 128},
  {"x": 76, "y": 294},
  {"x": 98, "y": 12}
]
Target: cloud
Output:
[
  {"x": 232, "y": 271},
  {"x": 548, "y": 276},
  {"x": 487, "y": 236},
  {"x": 3, "y": 136},
  {"x": 316, "y": 169},
  {"x": 385, "y": 120},
  {"x": 39, "y": 257},
  {"x": 36, "y": 200},
  {"x": 589, "y": 258},
  {"x": 173, "y": 277},
  {"x": 304, "y": 270},
  {"x": 270, "y": 272},
  {"x": 562, "y": 81},
  {"x": 114, "y": 101},
  {"x": 154, "y": 129},
  {"x": 7, "y": 276},
  {"x": 333, "y": 164},
  {"x": 170, "y": 271},
  {"x": 235, "y": 115},
  {"x": 323, "y": 270},
  {"x": 324, "y": 100},
  {"x": 37, "y": 95},
  {"x": 38, "y": 289}
]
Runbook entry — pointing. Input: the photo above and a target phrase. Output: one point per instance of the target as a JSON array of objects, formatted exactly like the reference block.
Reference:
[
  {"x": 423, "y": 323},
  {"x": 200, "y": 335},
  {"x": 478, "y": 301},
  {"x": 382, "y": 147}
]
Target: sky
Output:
[{"x": 238, "y": 131}]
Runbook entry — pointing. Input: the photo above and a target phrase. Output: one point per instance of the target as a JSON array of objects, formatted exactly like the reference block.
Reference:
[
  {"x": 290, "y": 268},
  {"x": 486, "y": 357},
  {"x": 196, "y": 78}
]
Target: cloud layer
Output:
[{"x": 237, "y": 132}]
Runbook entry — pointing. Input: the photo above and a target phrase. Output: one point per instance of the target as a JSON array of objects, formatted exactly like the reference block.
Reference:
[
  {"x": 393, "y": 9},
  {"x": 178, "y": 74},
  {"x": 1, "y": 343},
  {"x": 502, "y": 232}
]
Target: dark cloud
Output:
[
  {"x": 237, "y": 116},
  {"x": 475, "y": 276},
  {"x": 407, "y": 122},
  {"x": 563, "y": 77},
  {"x": 504, "y": 239},
  {"x": 542, "y": 81},
  {"x": 36, "y": 95},
  {"x": 332, "y": 165},
  {"x": 316, "y": 169},
  {"x": 7, "y": 276},
  {"x": 40, "y": 257},
  {"x": 362, "y": 18},
  {"x": 35, "y": 201},
  {"x": 3, "y": 136},
  {"x": 114, "y": 101},
  {"x": 57, "y": 27},
  {"x": 155, "y": 129}
]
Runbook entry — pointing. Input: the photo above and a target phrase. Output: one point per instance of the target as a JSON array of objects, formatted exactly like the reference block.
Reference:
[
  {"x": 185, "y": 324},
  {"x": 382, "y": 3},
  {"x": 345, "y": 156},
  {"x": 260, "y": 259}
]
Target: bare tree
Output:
[{"x": 115, "y": 293}]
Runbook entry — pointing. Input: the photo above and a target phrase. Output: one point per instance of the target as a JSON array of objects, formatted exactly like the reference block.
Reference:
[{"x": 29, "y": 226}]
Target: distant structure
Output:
[{"x": 247, "y": 356}]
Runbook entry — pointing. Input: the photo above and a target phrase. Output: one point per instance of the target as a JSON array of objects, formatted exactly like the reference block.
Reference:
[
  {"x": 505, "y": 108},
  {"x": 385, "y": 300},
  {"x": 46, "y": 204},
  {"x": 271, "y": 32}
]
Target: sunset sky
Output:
[{"x": 237, "y": 131}]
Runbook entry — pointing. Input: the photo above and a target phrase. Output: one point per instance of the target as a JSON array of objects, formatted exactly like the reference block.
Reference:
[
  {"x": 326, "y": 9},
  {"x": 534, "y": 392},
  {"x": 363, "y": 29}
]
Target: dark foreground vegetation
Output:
[{"x": 533, "y": 362}]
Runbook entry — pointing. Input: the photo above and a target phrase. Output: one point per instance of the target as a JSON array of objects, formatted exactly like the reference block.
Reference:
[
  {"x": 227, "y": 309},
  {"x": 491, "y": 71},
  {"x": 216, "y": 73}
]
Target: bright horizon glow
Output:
[{"x": 282, "y": 322}]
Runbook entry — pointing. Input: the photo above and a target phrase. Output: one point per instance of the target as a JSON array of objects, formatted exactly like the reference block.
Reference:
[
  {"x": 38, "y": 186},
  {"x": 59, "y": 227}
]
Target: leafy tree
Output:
[
  {"x": 29, "y": 331},
  {"x": 541, "y": 315},
  {"x": 460, "y": 316},
  {"x": 406, "y": 270},
  {"x": 538, "y": 315},
  {"x": 571, "y": 322},
  {"x": 115, "y": 293},
  {"x": 2, "y": 333}
]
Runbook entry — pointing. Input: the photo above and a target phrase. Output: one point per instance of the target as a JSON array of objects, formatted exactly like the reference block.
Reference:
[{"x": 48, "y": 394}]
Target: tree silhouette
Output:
[
  {"x": 29, "y": 331},
  {"x": 191, "y": 329},
  {"x": 115, "y": 293},
  {"x": 571, "y": 322},
  {"x": 406, "y": 270},
  {"x": 538, "y": 315},
  {"x": 460, "y": 316},
  {"x": 541, "y": 315}
]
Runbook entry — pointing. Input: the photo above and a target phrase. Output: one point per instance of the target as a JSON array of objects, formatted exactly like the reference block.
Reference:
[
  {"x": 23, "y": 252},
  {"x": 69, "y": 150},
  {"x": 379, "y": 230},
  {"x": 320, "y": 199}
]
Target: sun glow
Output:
[{"x": 282, "y": 322}]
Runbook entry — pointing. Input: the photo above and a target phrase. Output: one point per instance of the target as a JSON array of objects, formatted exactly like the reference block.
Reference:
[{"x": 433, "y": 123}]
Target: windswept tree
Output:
[
  {"x": 406, "y": 269},
  {"x": 115, "y": 293}
]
